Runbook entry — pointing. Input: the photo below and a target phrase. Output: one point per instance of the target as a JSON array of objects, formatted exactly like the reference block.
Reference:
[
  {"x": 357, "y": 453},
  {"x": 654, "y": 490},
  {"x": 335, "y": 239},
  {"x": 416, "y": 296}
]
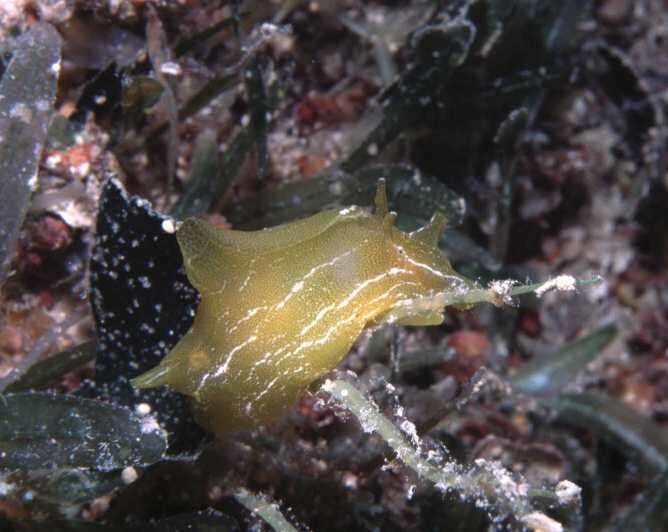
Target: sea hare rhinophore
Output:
[{"x": 281, "y": 307}]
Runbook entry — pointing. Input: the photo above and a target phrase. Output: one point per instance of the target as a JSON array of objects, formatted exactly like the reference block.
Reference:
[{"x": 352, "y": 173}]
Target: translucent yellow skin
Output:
[{"x": 281, "y": 307}]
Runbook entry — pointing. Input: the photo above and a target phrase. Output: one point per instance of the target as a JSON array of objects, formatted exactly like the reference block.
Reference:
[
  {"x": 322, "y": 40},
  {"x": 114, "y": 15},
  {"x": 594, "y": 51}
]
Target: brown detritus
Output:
[
  {"x": 330, "y": 110},
  {"x": 484, "y": 423},
  {"x": 472, "y": 351},
  {"x": 44, "y": 235},
  {"x": 42, "y": 247},
  {"x": 311, "y": 165},
  {"x": 540, "y": 463},
  {"x": 614, "y": 11},
  {"x": 11, "y": 339},
  {"x": 311, "y": 408},
  {"x": 73, "y": 162},
  {"x": 398, "y": 490},
  {"x": 21, "y": 329},
  {"x": 530, "y": 323},
  {"x": 14, "y": 511},
  {"x": 469, "y": 343}
]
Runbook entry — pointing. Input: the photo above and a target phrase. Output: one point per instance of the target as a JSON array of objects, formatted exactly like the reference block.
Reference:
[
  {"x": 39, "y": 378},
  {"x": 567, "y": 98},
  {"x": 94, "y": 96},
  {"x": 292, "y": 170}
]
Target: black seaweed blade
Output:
[{"x": 142, "y": 303}]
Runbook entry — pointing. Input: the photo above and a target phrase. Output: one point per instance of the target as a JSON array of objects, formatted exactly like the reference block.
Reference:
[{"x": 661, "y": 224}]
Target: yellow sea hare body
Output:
[{"x": 281, "y": 307}]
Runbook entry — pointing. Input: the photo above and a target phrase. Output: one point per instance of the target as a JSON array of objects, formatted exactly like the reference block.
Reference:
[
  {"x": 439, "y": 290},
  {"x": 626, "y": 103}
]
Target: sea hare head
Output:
[{"x": 421, "y": 264}]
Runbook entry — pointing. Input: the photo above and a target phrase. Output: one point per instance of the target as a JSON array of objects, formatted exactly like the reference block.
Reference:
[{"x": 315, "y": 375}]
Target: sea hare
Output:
[{"x": 281, "y": 307}]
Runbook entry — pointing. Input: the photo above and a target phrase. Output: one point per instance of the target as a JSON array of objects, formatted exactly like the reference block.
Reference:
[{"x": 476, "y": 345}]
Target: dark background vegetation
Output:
[{"x": 536, "y": 126}]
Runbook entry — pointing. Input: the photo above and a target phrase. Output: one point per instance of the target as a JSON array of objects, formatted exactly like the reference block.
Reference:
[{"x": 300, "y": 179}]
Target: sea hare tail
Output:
[{"x": 157, "y": 376}]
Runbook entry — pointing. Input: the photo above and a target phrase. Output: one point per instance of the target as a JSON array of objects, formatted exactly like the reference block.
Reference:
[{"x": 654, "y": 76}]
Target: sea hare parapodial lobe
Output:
[{"x": 282, "y": 306}]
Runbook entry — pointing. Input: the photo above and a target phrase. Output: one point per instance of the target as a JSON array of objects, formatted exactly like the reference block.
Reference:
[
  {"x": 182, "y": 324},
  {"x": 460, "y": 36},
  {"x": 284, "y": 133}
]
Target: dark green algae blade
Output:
[
  {"x": 208, "y": 520},
  {"x": 48, "y": 431},
  {"x": 410, "y": 193},
  {"x": 27, "y": 93},
  {"x": 636, "y": 436},
  {"x": 45, "y": 371},
  {"x": 550, "y": 374}
]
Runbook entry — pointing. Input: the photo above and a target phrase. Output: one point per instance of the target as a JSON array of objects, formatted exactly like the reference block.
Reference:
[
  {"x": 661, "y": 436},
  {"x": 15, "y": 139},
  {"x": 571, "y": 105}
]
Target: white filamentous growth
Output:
[
  {"x": 502, "y": 290},
  {"x": 562, "y": 283},
  {"x": 485, "y": 482},
  {"x": 267, "y": 510}
]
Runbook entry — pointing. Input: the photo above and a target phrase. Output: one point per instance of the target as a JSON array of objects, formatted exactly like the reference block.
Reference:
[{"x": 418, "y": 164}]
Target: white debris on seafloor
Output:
[
  {"x": 539, "y": 522},
  {"x": 568, "y": 492},
  {"x": 143, "y": 409},
  {"x": 410, "y": 430},
  {"x": 129, "y": 475},
  {"x": 169, "y": 225},
  {"x": 171, "y": 68},
  {"x": 562, "y": 283},
  {"x": 150, "y": 425}
]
